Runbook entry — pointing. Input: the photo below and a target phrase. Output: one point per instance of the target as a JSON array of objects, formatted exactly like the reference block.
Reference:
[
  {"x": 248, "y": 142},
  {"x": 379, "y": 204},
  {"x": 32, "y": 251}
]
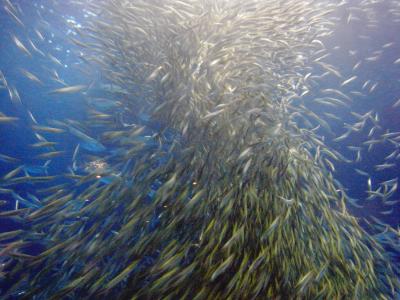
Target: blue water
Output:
[{"x": 15, "y": 138}]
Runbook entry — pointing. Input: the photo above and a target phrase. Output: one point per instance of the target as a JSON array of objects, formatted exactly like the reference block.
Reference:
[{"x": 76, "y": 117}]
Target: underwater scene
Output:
[{"x": 199, "y": 149}]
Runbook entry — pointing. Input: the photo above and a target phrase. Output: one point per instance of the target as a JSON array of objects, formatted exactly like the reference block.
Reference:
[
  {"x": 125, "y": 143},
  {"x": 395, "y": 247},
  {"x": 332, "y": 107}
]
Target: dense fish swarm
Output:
[{"x": 224, "y": 190}]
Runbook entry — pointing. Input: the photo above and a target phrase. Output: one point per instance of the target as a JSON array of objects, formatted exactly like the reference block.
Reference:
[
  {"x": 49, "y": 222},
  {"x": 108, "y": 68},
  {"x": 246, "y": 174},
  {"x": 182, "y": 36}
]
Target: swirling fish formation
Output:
[{"x": 221, "y": 187}]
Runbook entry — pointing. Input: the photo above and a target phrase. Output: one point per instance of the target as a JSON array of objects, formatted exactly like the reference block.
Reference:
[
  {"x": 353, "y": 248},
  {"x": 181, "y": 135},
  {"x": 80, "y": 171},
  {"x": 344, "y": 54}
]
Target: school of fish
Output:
[{"x": 205, "y": 165}]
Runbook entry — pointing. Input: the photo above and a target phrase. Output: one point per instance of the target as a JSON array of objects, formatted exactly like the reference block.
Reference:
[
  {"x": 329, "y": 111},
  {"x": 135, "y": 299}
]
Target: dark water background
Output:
[{"x": 15, "y": 138}]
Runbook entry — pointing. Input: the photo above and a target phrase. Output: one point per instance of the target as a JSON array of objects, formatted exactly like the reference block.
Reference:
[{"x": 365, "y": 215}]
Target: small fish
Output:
[
  {"x": 37, "y": 50},
  {"x": 34, "y": 199},
  {"x": 14, "y": 95},
  {"x": 366, "y": 83},
  {"x": 5, "y": 191},
  {"x": 331, "y": 69},
  {"x": 87, "y": 142},
  {"x": 154, "y": 74},
  {"x": 43, "y": 144},
  {"x": 362, "y": 173},
  {"x": 357, "y": 65},
  {"x": 21, "y": 46},
  {"x": 388, "y": 45},
  {"x": 55, "y": 60},
  {"x": 388, "y": 212},
  {"x": 11, "y": 213},
  {"x": 10, "y": 234},
  {"x": 12, "y": 173},
  {"x": 24, "y": 201},
  {"x": 373, "y": 87},
  {"x": 123, "y": 274},
  {"x": 39, "y": 34},
  {"x": 244, "y": 153},
  {"x": 396, "y": 104},
  {"x": 8, "y": 159},
  {"x": 31, "y": 76},
  {"x": 13, "y": 16},
  {"x": 287, "y": 201},
  {"x": 347, "y": 81},
  {"x": 47, "y": 129},
  {"x": 32, "y": 117},
  {"x": 78, "y": 43},
  {"x": 6, "y": 119},
  {"x": 369, "y": 183},
  {"x": 69, "y": 89},
  {"x": 50, "y": 154},
  {"x": 222, "y": 268},
  {"x": 305, "y": 281},
  {"x": 213, "y": 114},
  {"x": 384, "y": 166},
  {"x": 271, "y": 228},
  {"x": 75, "y": 154},
  {"x": 37, "y": 169}
]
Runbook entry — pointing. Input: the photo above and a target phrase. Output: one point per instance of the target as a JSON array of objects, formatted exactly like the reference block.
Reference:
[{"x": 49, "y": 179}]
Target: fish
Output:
[
  {"x": 154, "y": 74},
  {"x": 11, "y": 11},
  {"x": 24, "y": 201},
  {"x": 36, "y": 169},
  {"x": 122, "y": 275},
  {"x": 305, "y": 281},
  {"x": 14, "y": 95},
  {"x": 103, "y": 103},
  {"x": 12, "y": 173},
  {"x": 39, "y": 34},
  {"x": 396, "y": 104},
  {"x": 48, "y": 155},
  {"x": 373, "y": 87},
  {"x": 69, "y": 89},
  {"x": 214, "y": 176},
  {"x": 75, "y": 154},
  {"x": 8, "y": 159},
  {"x": 87, "y": 142},
  {"x": 213, "y": 114},
  {"x": 222, "y": 268},
  {"x": 7, "y": 119},
  {"x": 56, "y": 61},
  {"x": 384, "y": 166},
  {"x": 10, "y": 234},
  {"x": 347, "y": 81},
  {"x": 43, "y": 144},
  {"x": 37, "y": 50},
  {"x": 21, "y": 46},
  {"x": 47, "y": 129},
  {"x": 357, "y": 65},
  {"x": 330, "y": 69},
  {"x": 287, "y": 201},
  {"x": 361, "y": 172},
  {"x": 98, "y": 90},
  {"x": 5, "y": 191},
  {"x": 31, "y": 76}
]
